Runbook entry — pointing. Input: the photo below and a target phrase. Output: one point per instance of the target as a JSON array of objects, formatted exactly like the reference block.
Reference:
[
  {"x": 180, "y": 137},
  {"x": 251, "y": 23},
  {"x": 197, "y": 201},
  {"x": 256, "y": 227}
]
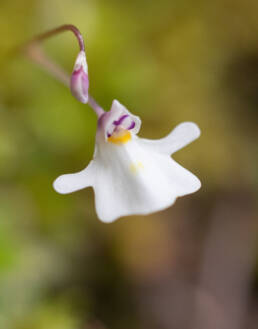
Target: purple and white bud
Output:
[{"x": 79, "y": 82}]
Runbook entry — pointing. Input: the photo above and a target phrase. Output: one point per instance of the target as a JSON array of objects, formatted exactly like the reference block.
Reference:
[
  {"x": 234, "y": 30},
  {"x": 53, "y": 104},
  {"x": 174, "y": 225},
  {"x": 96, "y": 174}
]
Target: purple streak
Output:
[
  {"x": 132, "y": 125},
  {"x": 120, "y": 120}
]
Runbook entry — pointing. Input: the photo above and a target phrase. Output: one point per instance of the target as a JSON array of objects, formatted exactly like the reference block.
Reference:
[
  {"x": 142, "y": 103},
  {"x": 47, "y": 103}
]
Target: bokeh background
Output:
[{"x": 192, "y": 266}]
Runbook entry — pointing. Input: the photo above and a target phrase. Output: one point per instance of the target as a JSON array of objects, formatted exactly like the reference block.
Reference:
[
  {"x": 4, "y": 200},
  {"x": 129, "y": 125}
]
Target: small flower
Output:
[
  {"x": 79, "y": 80},
  {"x": 132, "y": 175}
]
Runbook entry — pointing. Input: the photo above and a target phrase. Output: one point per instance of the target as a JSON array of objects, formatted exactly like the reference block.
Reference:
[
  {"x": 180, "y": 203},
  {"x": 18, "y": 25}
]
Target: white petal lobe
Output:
[
  {"x": 73, "y": 182},
  {"x": 182, "y": 135}
]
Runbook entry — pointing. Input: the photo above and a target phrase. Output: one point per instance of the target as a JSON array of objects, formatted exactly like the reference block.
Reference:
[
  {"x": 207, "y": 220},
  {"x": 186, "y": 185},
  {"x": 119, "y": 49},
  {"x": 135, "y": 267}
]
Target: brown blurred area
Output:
[{"x": 192, "y": 266}]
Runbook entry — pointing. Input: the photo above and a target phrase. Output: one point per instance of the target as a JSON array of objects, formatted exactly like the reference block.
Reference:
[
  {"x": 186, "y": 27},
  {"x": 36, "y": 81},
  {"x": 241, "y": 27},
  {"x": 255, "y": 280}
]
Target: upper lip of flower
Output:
[{"x": 118, "y": 117}]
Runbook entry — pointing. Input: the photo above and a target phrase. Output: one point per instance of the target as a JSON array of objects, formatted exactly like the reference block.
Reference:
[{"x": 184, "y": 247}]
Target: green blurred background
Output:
[{"x": 193, "y": 266}]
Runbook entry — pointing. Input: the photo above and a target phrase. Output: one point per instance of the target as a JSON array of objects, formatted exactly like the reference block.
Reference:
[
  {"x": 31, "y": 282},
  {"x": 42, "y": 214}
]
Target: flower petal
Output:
[
  {"x": 112, "y": 119},
  {"x": 73, "y": 182},
  {"x": 181, "y": 136},
  {"x": 131, "y": 179},
  {"x": 117, "y": 109}
]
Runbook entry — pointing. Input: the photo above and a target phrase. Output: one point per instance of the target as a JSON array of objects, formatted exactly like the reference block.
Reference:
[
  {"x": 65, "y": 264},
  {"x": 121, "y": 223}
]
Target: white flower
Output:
[{"x": 132, "y": 175}]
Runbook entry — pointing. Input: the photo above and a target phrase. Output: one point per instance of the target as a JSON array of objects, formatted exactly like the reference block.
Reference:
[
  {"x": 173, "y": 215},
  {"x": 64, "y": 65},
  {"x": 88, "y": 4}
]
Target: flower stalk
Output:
[{"x": 60, "y": 29}]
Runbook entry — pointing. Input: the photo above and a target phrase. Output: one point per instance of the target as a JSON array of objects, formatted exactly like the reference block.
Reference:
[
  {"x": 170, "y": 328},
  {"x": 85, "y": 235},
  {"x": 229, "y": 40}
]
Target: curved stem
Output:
[
  {"x": 36, "y": 54},
  {"x": 60, "y": 29}
]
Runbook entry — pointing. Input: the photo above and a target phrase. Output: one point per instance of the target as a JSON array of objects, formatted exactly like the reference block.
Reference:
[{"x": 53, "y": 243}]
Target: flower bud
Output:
[{"x": 79, "y": 82}]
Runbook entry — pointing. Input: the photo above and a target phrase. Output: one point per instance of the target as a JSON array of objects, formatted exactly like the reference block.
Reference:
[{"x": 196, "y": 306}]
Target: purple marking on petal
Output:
[
  {"x": 132, "y": 125},
  {"x": 120, "y": 120}
]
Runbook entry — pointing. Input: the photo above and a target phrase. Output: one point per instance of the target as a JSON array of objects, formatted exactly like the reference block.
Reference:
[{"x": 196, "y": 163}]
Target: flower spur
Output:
[{"x": 129, "y": 175}]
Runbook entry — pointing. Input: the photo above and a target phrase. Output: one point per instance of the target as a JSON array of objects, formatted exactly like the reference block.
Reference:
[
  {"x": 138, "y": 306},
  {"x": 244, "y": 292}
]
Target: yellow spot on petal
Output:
[
  {"x": 135, "y": 167},
  {"x": 121, "y": 137}
]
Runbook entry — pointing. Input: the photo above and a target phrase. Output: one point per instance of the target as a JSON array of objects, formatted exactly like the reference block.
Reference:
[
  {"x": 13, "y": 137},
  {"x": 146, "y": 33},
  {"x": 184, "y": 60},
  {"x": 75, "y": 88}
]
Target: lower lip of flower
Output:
[{"x": 121, "y": 137}]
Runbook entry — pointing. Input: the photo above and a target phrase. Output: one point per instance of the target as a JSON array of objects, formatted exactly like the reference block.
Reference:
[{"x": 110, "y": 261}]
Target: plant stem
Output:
[{"x": 60, "y": 29}]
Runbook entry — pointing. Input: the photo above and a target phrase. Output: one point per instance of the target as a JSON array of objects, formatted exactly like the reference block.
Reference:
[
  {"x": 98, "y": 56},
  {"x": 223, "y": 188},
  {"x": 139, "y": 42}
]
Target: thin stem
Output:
[
  {"x": 60, "y": 29},
  {"x": 33, "y": 51},
  {"x": 95, "y": 106}
]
